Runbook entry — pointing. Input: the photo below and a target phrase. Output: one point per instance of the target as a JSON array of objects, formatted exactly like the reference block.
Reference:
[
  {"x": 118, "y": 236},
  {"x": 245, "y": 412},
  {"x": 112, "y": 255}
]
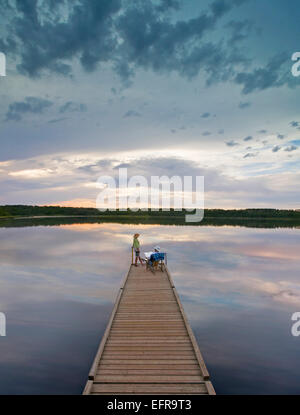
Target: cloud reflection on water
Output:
[{"x": 239, "y": 287}]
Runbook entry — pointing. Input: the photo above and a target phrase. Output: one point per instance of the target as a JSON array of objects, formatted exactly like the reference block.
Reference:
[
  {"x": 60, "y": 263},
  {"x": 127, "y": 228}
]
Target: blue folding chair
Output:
[{"x": 157, "y": 260}]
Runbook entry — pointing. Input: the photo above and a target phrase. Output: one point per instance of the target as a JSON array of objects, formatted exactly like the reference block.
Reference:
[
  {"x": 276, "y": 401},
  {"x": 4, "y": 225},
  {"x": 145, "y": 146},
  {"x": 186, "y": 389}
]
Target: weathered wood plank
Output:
[
  {"x": 153, "y": 357},
  {"x": 148, "y": 341},
  {"x": 145, "y": 378},
  {"x": 210, "y": 388},
  {"x": 149, "y": 365},
  {"x": 148, "y": 333},
  {"x": 149, "y": 361},
  {"x": 146, "y": 372},
  {"x": 149, "y": 388},
  {"x": 149, "y": 348},
  {"x": 148, "y": 336},
  {"x": 88, "y": 387},
  {"x": 149, "y": 324}
]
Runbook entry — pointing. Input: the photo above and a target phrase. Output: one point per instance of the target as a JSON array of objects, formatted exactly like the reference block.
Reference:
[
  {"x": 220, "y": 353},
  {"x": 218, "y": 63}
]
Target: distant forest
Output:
[{"x": 9, "y": 211}]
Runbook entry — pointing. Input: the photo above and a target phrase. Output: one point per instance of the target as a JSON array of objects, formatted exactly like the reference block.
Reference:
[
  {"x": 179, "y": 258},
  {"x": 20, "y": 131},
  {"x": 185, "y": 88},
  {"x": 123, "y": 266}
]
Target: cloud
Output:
[
  {"x": 262, "y": 131},
  {"x": 274, "y": 74},
  {"x": 132, "y": 113},
  {"x": 165, "y": 5},
  {"x": 275, "y": 149},
  {"x": 295, "y": 124},
  {"x": 56, "y": 120},
  {"x": 248, "y": 138},
  {"x": 205, "y": 115},
  {"x": 240, "y": 30},
  {"x": 231, "y": 143},
  {"x": 32, "y": 173},
  {"x": 250, "y": 155},
  {"x": 122, "y": 166},
  {"x": 280, "y": 136},
  {"x": 291, "y": 148},
  {"x": 31, "y": 105},
  {"x": 206, "y": 133},
  {"x": 130, "y": 36},
  {"x": 243, "y": 105},
  {"x": 47, "y": 41},
  {"x": 126, "y": 35},
  {"x": 48, "y": 179},
  {"x": 72, "y": 107}
]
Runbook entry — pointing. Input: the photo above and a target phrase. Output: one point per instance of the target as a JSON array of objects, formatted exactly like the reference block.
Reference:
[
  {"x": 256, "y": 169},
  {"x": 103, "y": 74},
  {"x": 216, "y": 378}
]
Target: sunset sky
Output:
[{"x": 160, "y": 87}]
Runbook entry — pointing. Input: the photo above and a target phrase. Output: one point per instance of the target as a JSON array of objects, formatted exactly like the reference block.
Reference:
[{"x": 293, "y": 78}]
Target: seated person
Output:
[
  {"x": 155, "y": 250},
  {"x": 154, "y": 256}
]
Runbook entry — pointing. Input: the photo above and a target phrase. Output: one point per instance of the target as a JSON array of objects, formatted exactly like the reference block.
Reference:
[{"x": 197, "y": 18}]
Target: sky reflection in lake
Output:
[{"x": 239, "y": 287}]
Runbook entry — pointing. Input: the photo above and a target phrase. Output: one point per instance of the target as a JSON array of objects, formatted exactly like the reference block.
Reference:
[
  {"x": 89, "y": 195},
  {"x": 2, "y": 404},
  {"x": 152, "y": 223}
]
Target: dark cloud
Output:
[
  {"x": 97, "y": 167},
  {"x": 291, "y": 148},
  {"x": 274, "y": 74},
  {"x": 122, "y": 166},
  {"x": 220, "y": 7},
  {"x": 295, "y": 124},
  {"x": 205, "y": 115},
  {"x": 240, "y": 30},
  {"x": 280, "y": 136},
  {"x": 31, "y": 105},
  {"x": 56, "y": 120},
  {"x": 135, "y": 35},
  {"x": 206, "y": 133},
  {"x": 243, "y": 105},
  {"x": 262, "y": 131},
  {"x": 165, "y": 5},
  {"x": 47, "y": 43},
  {"x": 248, "y": 138},
  {"x": 249, "y": 155},
  {"x": 128, "y": 35},
  {"x": 160, "y": 166},
  {"x": 132, "y": 113},
  {"x": 275, "y": 149},
  {"x": 231, "y": 143},
  {"x": 72, "y": 107},
  {"x": 221, "y": 131}
]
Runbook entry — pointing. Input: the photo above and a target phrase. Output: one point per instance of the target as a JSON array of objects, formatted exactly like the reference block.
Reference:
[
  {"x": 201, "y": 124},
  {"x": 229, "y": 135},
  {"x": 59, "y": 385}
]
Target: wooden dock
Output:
[{"x": 148, "y": 346}]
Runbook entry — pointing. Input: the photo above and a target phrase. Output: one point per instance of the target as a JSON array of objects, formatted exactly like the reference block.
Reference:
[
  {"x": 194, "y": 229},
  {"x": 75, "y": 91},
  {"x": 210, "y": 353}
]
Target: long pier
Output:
[{"x": 148, "y": 346}]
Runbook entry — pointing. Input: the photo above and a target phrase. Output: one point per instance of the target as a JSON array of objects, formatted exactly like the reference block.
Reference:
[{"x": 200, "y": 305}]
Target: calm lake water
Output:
[{"x": 239, "y": 287}]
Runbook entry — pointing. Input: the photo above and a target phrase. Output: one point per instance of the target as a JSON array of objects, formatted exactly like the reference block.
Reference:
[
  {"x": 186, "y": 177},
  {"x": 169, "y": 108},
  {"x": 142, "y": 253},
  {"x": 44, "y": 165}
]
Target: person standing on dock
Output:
[{"x": 136, "y": 248}]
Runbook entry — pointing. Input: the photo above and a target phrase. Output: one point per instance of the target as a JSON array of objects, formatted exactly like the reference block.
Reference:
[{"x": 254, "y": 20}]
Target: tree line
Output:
[{"x": 29, "y": 211}]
